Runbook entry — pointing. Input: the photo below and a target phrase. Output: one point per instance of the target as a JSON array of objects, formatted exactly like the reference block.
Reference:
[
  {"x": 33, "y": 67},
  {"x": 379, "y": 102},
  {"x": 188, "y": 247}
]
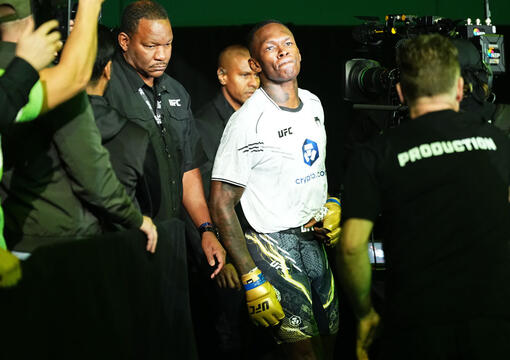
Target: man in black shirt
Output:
[
  {"x": 238, "y": 83},
  {"x": 225, "y": 313},
  {"x": 141, "y": 90},
  {"x": 441, "y": 182},
  {"x": 127, "y": 142}
]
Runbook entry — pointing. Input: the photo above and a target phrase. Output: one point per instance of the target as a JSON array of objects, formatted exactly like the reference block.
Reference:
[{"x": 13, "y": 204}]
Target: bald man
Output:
[
  {"x": 238, "y": 82},
  {"x": 224, "y": 321}
]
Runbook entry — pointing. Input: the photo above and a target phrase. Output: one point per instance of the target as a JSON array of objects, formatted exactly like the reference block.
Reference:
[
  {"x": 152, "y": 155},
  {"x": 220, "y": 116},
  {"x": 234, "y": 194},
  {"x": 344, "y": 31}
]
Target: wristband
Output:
[
  {"x": 253, "y": 284},
  {"x": 207, "y": 226},
  {"x": 333, "y": 200}
]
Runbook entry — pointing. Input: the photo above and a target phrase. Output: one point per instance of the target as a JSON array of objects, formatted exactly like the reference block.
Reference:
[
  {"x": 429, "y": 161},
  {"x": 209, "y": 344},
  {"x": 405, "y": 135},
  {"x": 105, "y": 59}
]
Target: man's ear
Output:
[
  {"x": 222, "y": 75},
  {"x": 254, "y": 65},
  {"x": 460, "y": 89},
  {"x": 400, "y": 93},
  {"x": 123, "y": 39},
  {"x": 107, "y": 71}
]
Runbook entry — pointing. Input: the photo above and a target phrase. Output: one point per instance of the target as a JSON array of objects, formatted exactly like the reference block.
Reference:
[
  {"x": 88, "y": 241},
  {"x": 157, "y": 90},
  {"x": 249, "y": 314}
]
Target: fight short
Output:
[{"x": 295, "y": 263}]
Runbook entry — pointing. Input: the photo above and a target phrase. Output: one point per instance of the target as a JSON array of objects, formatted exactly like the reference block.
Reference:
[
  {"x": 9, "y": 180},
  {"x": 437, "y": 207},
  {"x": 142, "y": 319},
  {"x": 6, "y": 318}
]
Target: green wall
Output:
[{"x": 310, "y": 12}]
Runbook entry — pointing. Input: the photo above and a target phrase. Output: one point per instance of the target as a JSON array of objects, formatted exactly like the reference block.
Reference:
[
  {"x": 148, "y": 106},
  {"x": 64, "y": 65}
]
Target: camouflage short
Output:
[{"x": 297, "y": 267}]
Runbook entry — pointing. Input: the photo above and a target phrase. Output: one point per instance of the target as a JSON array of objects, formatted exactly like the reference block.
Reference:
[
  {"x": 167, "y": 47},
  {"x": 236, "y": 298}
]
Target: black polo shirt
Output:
[
  {"x": 176, "y": 141},
  {"x": 211, "y": 121},
  {"x": 440, "y": 182}
]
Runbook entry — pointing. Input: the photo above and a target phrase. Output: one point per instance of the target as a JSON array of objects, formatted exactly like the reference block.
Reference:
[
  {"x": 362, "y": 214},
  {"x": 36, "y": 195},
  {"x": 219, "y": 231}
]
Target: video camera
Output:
[{"x": 371, "y": 85}]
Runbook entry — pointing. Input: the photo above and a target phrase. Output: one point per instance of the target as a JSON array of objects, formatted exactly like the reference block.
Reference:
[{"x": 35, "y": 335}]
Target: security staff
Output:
[
  {"x": 222, "y": 316},
  {"x": 141, "y": 91},
  {"x": 238, "y": 82},
  {"x": 127, "y": 142}
]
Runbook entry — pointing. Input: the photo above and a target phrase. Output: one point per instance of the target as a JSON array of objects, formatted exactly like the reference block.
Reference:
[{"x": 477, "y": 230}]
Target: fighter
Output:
[{"x": 271, "y": 158}]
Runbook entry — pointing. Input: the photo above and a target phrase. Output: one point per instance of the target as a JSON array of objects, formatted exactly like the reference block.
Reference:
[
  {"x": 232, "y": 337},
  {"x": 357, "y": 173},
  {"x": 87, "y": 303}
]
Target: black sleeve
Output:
[
  {"x": 361, "y": 197},
  {"x": 127, "y": 153},
  {"x": 194, "y": 154},
  {"x": 15, "y": 86},
  {"x": 88, "y": 164}
]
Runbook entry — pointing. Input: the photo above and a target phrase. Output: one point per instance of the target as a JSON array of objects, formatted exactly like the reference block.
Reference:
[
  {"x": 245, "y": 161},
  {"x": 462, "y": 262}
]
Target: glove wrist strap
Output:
[{"x": 253, "y": 279}]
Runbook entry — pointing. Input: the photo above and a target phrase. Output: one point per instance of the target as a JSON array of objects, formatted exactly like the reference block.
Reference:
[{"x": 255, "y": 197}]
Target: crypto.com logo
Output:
[{"x": 310, "y": 152}]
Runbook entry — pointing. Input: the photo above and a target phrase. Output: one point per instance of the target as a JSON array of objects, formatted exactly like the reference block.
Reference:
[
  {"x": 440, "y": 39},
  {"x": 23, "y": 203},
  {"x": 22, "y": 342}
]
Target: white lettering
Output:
[
  {"x": 481, "y": 143},
  {"x": 467, "y": 144},
  {"x": 490, "y": 144},
  {"x": 425, "y": 150},
  {"x": 447, "y": 147},
  {"x": 414, "y": 154},
  {"x": 403, "y": 158},
  {"x": 436, "y": 148},
  {"x": 457, "y": 146}
]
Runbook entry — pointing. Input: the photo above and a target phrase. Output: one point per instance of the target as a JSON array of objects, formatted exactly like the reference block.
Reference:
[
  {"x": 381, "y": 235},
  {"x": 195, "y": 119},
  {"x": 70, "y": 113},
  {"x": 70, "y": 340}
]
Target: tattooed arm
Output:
[{"x": 224, "y": 197}]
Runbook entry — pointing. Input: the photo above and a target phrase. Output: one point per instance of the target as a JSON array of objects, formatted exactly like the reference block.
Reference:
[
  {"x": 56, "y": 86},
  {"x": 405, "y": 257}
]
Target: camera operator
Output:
[
  {"x": 59, "y": 184},
  {"x": 441, "y": 180}
]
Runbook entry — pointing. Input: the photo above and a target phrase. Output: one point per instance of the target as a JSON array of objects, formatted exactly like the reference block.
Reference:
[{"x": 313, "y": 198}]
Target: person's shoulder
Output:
[
  {"x": 204, "y": 111},
  {"x": 255, "y": 106},
  {"x": 173, "y": 86},
  {"x": 129, "y": 142},
  {"x": 306, "y": 96}
]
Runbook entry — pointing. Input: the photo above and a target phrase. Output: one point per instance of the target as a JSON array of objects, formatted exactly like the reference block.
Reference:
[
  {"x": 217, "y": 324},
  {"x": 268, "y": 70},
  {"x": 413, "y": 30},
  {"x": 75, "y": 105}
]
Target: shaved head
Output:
[
  {"x": 229, "y": 53},
  {"x": 250, "y": 39},
  {"x": 238, "y": 81}
]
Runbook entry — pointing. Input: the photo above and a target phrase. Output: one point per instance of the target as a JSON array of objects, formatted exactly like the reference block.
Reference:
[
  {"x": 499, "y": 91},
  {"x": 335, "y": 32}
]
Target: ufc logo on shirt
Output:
[{"x": 174, "y": 102}]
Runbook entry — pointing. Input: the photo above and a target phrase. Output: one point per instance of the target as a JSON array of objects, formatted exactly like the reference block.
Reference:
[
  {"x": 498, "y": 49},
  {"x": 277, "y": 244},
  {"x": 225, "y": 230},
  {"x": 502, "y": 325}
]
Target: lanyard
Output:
[
  {"x": 157, "y": 112},
  {"x": 157, "y": 116}
]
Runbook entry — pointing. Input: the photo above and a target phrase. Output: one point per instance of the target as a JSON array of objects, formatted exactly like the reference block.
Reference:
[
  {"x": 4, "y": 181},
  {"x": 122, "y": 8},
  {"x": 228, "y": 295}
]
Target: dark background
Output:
[{"x": 303, "y": 12}]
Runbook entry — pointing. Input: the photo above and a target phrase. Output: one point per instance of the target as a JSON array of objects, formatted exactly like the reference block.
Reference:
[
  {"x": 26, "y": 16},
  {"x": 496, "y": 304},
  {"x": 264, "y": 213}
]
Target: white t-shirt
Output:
[{"x": 278, "y": 156}]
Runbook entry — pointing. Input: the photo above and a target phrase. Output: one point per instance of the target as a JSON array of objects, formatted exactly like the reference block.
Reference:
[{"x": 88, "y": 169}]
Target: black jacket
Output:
[
  {"x": 176, "y": 142},
  {"x": 15, "y": 85},
  {"x": 211, "y": 121},
  {"x": 131, "y": 154},
  {"x": 58, "y": 179}
]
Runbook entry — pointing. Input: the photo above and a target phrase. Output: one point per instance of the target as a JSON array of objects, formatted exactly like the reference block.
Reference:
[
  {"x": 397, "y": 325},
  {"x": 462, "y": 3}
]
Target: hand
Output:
[
  {"x": 40, "y": 47},
  {"x": 228, "y": 277},
  {"x": 331, "y": 221},
  {"x": 149, "y": 229},
  {"x": 367, "y": 327},
  {"x": 213, "y": 250},
  {"x": 263, "y": 305},
  {"x": 330, "y": 231},
  {"x": 10, "y": 269}
]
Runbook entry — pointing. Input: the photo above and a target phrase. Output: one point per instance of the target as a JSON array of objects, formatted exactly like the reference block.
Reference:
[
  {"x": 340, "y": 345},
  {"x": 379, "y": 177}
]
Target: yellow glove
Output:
[
  {"x": 10, "y": 270},
  {"x": 263, "y": 305},
  {"x": 331, "y": 220}
]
